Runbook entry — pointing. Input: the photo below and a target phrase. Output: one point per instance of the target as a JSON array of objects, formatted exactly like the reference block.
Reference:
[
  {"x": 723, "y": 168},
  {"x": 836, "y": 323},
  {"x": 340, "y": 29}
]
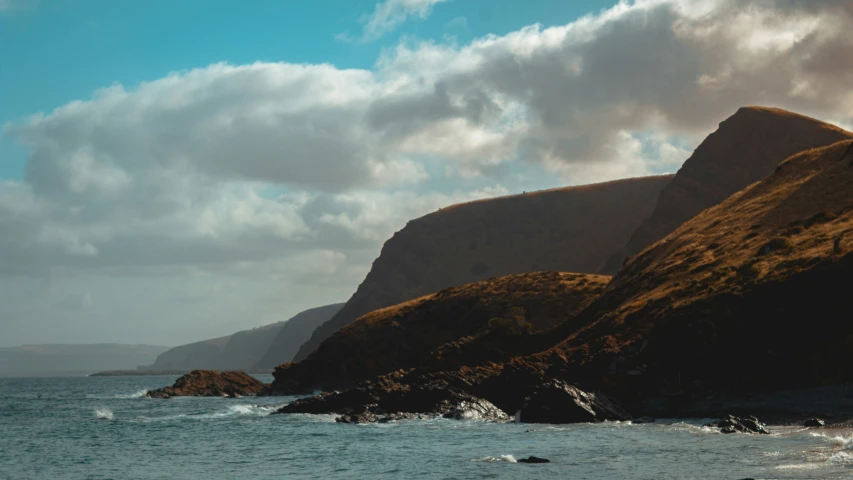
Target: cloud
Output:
[
  {"x": 390, "y": 14},
  {"x": 244, "y": 192}
]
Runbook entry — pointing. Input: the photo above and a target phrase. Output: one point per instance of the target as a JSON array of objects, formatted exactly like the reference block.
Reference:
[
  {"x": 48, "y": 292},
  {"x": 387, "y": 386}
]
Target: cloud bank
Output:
[{"x": 234, "y": 195}]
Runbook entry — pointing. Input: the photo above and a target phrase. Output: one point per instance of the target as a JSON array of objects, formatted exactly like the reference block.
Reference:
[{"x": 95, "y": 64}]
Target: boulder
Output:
[
  {"x": 814, "y": 422},
  {"x": 474, "y": 409},
  {"x": 732, "y": 424},
  {"x": 559, "y": 402},
  {"x": 210, "y": 383},
  {"x": 532, "y": 459},
  {"x": 364, "y": 417}
]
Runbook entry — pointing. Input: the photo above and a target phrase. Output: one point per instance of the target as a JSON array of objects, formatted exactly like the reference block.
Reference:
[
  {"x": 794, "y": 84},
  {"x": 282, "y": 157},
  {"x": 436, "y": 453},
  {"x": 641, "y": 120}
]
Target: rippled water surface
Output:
[{"x": 103, "y": 428}]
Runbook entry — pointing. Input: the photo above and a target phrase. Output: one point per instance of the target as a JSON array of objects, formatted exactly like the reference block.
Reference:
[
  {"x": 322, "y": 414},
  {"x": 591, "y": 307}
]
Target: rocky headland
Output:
[{"x": 746, "y": 299}]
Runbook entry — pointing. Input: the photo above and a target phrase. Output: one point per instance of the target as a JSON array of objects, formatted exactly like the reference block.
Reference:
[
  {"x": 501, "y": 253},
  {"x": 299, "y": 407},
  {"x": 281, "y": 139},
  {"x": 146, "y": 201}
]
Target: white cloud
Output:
[
  {"x": 276, "y": 183},
  {"x": 390, "y": 14}
]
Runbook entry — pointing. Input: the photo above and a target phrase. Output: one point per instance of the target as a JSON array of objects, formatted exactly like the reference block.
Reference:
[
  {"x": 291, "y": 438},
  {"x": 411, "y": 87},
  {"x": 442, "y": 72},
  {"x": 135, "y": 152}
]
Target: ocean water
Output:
[{"x": 103, "y": 428}]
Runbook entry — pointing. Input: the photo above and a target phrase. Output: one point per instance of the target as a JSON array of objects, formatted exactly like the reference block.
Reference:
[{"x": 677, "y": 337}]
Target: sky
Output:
[{"x": 174, "y": 171}]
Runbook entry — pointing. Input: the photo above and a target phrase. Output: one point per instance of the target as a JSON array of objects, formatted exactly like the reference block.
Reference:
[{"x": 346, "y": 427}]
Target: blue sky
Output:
[{"x": 56, "y": 51}]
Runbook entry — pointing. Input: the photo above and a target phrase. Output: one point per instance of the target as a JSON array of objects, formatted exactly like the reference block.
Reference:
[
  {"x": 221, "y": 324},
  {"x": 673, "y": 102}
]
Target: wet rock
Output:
[
  {"x": 732, "y": 424},
  {"x": 558, "y": 402},
  {"x": 814, "y": 422},
  {"x": 533, "y": 459},
  {"x": 377, "y": 401},
  {"x": 642, "y": 420},
  {"x": 474, "y": 409},
  {"x": 210, "y": 383},
  {"x": 397, "y": 416},
  {"x": 356, "y": 418}
]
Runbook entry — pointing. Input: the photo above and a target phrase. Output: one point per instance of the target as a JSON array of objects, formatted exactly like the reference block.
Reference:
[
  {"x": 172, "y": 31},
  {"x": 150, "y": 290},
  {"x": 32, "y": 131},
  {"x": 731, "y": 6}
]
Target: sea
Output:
[{"x": 104, "y": 428}]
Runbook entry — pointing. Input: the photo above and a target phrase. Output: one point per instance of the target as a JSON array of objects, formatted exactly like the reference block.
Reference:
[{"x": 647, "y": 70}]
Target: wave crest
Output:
[
  {"x": 104, "y": 414},
  {"x": 502, "y": 458}
]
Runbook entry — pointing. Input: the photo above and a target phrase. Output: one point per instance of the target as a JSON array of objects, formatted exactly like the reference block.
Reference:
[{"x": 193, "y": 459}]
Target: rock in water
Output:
[
  {"x": 732, "y": 424},
  {"x": 361, "y": 405},
  {"x": 474, "y": 409},
  {"x": 357, "y": 418},
  {"x": 559, "y": 402},
  {"x": 814, "y": 422},
  {"x": 532, "y": 459},
  {"x": 210, "y": 383}
]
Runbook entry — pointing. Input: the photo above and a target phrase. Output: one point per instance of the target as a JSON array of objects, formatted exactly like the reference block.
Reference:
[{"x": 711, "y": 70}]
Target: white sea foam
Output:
[
  {"x": 844, "y": 442},
  {"x": 104, "y": 414},
  {"x": 502, "y": 458},
  {"x": 842, "y": 458},
  {"x": 137, "y": 394},
  {"x": 241, "y": 410}
]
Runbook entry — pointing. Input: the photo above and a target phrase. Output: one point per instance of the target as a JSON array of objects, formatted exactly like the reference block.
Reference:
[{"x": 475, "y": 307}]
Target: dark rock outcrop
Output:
[
  {"x": 559, "y": 402},
  {"x": 357, "y": 418},
  {"x": 814, "y": 423},
  {"x": 532, "y": 459},
  {"x": 210, "y": 383},
  {"x": 732, "y": 424},
  {"x": 573, "y": 229},
  {"x": 369, "y": 404}
]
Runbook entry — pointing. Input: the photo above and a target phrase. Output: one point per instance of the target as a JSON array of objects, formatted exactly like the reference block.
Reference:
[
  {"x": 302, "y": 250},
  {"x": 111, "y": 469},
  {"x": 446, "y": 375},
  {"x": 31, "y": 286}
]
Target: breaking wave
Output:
[
  {"x": 104, "y": 414},
  {"x": 845, "y": 443},
  {"x": 231, "y": 411},
  {"x": 137, "y": 394},
  {"x": 502, "y": 458}
]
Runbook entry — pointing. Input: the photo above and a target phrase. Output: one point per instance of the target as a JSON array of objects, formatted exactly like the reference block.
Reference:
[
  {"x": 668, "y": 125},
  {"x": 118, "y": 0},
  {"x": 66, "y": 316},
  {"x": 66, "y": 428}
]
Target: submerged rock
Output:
[
  {"x": 532, "y": 459},
  {"x": 732, "y": 424},
  {"x": 559, "y": 402},
  {"x": 210, "y": 383}
]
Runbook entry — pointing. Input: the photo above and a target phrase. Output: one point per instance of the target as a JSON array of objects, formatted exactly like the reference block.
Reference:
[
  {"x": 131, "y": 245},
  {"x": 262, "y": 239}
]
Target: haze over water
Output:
[{"x": 103, "y": 428}]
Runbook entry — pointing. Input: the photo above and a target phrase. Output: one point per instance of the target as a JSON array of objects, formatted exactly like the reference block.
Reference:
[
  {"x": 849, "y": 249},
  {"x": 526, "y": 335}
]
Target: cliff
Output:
[
  {"x": 254, "y": 350},
  {"x": 485, "y": 314},
  {"x": 574, "y": 229},
  {"x": 746, "y": 148},
  {"x": 748, "y": 297},
  {"x": 298, "y": 330}
]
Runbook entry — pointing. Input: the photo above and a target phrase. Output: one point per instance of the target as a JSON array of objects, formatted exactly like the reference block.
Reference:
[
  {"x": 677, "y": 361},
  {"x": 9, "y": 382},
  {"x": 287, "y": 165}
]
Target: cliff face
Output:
[
  {"x": 249, "y": 349},
  {"x": 296, "y": 331},
  {"x": 746, "y": 148},
  {"x": 482, "y": 315},
  {"x": 749, "y": 295},
  {"x": 573, "y": 229}
]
